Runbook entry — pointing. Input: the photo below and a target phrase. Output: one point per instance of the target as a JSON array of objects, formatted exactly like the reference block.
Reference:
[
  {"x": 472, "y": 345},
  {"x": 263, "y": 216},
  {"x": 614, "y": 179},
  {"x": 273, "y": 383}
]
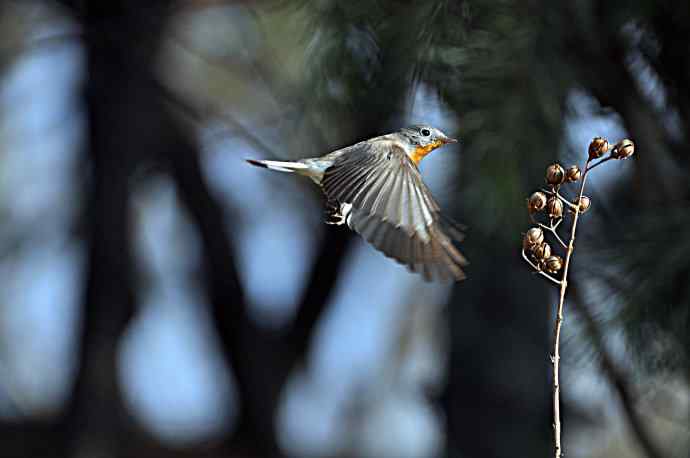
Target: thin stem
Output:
[
  {"x": 555, "y": 357},
  {"x": 552, "y": 229},
  {"x": 538, "y": 270},
  {"x": 566, "y": 201},
  {"x": 562, "y": 199},
  {"x": 596, "y": 164}
]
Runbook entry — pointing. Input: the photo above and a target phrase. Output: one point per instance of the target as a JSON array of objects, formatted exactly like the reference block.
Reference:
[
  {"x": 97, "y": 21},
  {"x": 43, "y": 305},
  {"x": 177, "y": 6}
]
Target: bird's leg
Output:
[
  {"x": 333, "y": 214},
  {"x": 337, "y": 213}
]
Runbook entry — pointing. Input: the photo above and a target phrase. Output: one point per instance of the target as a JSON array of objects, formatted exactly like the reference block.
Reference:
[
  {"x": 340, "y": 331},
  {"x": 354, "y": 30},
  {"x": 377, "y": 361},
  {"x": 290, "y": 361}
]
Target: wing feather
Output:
[
  {"x": 394, "y": 210},
  {"x": 382, "y": 199},
  {"x": 373, "y": 191}
]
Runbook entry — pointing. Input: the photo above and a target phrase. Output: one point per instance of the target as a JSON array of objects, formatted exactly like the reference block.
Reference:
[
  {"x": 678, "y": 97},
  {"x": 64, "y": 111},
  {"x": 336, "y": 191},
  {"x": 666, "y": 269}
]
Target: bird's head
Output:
[{"x": 424, "y": 139}]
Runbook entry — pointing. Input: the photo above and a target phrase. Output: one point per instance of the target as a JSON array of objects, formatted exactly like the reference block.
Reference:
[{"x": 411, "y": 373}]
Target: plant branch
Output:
[
  {"x": 552, "y": 229},
  {"x": 555, "y": 357},
  {"x": 570, "y": 205},
  {"x": 538, "y": 269},
  {"x": 596, "y": 164},
  {"x": 533, "y": 240}
]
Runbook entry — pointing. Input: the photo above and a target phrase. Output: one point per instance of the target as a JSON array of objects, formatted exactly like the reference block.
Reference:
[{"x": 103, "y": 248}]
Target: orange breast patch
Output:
[{"x": 418, "y": 154}]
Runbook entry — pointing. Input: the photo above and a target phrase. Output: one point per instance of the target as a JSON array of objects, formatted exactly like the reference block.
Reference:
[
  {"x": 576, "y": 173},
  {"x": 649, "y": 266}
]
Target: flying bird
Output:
[{"x": 375, "y": 187}]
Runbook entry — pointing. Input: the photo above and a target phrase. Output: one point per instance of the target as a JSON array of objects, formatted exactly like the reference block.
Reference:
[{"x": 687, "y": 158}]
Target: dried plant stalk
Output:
[
  {"x": 537, "y": 253},
  {"x": 555, "y": 358}
]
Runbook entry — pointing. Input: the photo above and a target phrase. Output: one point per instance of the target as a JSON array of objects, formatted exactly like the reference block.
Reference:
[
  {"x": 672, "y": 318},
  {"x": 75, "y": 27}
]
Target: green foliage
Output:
[
  {"x": 363, "y": 59},
  {"x": 494, "y": 72},
  {"x": 507, "y": 70},
  {"x": 651, "y": 269}
]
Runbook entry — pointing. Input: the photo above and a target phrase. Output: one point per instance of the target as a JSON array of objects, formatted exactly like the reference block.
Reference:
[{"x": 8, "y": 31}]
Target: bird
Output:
[{"x": 376, "y": 188}]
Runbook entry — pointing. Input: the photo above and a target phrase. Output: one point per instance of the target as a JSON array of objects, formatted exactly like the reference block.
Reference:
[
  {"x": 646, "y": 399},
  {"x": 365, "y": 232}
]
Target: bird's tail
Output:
[{"x": 280, "y": 166}]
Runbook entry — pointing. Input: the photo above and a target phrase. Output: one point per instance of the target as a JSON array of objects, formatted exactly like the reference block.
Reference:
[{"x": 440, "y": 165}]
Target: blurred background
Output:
[{"x": 160, "y": 298}]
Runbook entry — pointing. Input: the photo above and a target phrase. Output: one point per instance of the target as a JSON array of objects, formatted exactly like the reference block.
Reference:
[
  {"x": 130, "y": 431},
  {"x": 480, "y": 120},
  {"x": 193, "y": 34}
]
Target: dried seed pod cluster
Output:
[
  {"x": 552, "y": 205},
  {"x": 538, "y": 250},
  {"x": 546, "y": 209}
]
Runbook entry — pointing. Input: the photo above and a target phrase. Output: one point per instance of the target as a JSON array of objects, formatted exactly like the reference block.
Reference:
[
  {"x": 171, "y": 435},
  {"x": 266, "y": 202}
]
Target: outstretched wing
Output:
[{"x": 394, "y": 210}]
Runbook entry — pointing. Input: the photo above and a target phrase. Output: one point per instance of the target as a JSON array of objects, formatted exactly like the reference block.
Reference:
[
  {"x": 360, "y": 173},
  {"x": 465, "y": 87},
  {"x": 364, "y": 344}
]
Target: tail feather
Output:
[{"x": 280, "y": 166}]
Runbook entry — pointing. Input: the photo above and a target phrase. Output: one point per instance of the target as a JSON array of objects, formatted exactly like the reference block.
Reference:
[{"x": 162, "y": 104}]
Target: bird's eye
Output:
[{"x": 425, "y": 132}]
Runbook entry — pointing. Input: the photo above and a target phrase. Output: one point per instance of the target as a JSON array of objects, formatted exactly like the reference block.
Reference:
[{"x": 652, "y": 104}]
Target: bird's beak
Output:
[{"x": 449, "y": 140}]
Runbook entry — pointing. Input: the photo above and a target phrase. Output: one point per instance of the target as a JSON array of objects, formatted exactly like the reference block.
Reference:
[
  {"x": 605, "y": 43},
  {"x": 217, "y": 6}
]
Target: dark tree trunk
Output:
[
  {"x": 497, "y": 399},
  {"x": 133, "y": 117},
  {"x": 120, "y": 118}
]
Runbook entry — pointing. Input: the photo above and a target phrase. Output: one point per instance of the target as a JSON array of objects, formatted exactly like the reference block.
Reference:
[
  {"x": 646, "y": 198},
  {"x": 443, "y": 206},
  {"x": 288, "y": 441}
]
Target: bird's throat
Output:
[{"x": 418, "y": 154}]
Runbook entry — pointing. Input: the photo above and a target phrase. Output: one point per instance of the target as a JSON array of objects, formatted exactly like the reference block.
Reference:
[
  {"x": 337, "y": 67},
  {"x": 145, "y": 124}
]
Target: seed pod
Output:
[
  {"x": 623, "y": 149},
  {"x": 533, "y": 237},
  {"x": 555, "y": 207},
  {"x": 585, "y": 203},
  {"x": 555, "y": 174},
  {"x": 573, "y": 174},
  {"x": 536, "y": 202},
  {"x": 553, "y": 264},
  {"x": 598, "y": 147},
  {"x": 542, "y": 251}
]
